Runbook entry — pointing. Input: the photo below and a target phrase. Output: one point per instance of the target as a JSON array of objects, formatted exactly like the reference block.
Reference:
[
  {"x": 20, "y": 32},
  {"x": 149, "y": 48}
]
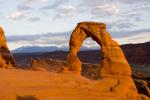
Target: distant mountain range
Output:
[
  {"x": 31, "y": 49},
  {"x": 136, "y": 54}
]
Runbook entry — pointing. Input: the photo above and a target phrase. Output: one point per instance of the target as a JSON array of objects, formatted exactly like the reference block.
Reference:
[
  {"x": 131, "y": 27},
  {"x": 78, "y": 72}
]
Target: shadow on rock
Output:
[{"x": 26, "y": 98}]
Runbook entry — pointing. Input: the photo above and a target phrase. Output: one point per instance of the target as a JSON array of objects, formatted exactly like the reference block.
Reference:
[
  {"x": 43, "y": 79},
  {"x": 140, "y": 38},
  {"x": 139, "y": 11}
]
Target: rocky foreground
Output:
[
  {"x": 44, "y": 85},
  {"x": 91, "y": 71}
]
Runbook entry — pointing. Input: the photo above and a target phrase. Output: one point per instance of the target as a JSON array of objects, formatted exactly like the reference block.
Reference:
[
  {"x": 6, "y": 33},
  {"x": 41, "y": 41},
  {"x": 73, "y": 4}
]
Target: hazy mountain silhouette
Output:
[
  {"x": 31, "y": 49},
  {"x": 136, "y": 54}
]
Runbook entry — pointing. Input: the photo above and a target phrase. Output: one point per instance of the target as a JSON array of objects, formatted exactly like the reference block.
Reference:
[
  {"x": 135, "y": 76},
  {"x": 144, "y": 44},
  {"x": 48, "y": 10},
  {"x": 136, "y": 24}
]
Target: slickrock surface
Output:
[
  {"x": 43, "y": 85},
  {"x": 90, "y": 71},
  {"x": 6, "y": 59},
  {"x": 47, "y": 64}
]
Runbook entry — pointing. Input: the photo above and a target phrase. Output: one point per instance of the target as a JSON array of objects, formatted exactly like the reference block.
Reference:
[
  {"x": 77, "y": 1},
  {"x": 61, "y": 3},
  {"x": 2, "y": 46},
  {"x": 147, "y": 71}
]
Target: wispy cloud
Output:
[
  {"x": 105, "y": 10},
  {"x": 16, "y": 38},
  {"x": 24, "y": 7},
  {"x": 139, "y": 38},
  {"x": 31, "y": 1},
  {"x": 33, "y": 19},
  {"x": 47, "y": 39},
  {"x": 17, "y": 15},
  {"x": 64, "y": 11},
  {"x": 20, "y": 15},
  {"x": 62, "y": 39},
  {"x": 129, "y": 33},
  {"x": 61, "y": 8},
  {"x": 56, "y": 4}
]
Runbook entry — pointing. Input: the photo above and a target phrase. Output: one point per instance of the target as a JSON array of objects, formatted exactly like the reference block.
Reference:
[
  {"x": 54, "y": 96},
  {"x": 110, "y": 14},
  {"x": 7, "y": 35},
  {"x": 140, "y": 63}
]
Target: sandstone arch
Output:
[
  {"x": 6, "y": 59},
  {"x": 113, "y": 60}
]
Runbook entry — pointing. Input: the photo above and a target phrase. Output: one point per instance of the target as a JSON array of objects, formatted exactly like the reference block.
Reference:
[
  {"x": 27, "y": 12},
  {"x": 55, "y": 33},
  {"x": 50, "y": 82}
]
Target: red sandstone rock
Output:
[
  {"x": 114, "y": 64},
  {"x": 6, "y": 59},
  {"x": 113, "y": 59}
]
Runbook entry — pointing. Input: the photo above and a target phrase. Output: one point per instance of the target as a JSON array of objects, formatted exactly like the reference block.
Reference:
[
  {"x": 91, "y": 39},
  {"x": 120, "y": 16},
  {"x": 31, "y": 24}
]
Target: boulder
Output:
[
  {"x": 6, "y": 59},
  {"x": 142, "y": 87},
  {"x": 47, "y": 64}
]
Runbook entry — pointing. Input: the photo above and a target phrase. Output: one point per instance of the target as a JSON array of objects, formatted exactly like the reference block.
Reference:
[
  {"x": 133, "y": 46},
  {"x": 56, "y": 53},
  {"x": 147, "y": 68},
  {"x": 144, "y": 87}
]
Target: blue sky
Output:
[{"x": 50, "y": 22}]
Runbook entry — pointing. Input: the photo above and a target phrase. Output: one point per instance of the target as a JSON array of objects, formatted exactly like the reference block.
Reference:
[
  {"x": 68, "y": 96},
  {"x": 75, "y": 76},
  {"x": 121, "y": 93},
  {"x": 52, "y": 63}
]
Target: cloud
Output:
[
  {"x": 64, "y": 11},
  {"x": 129, "y": 33},
  {"x": 125, "y": 18},
  {"x": 1, "y": 14},
  {"x": 96, "y": 2},
  {"x": 60, "y": 8},
  {"x": 100, "y": 10},
  {"x": 33, "y": 19},
  {"x": 56, "y": 4},
  {"x": 105, "y": 10},
  {"x": 125, "y": 25},
  {"x": 31, "y": 1},
  {"x": 139, "y": 38},
  {"x": 47, "y": 39},
  {"x": 120, "y": 25},
  {"x": 117, "y": 9},
  {"x": 24, "y": 7},
  {"x": 18, "y": 15},
  {"x": 16, "y": 38},
  {"x": 114, "y": 34},
  {"x": 132, "y": 1},
  {"x": 62, "y": 39}
]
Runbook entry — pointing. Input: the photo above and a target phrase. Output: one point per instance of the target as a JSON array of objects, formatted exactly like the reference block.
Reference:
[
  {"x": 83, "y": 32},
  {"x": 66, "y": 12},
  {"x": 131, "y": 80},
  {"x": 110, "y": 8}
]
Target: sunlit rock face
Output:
[
  {"x": 113, "y": 59},
  {"x": 114, "y": 65},
  {"x": 6, "y": 59}
]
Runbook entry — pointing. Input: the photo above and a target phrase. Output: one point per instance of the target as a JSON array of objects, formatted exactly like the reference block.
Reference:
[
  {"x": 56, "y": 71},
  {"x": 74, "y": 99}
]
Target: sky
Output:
[{"x": 50, "y": 22}]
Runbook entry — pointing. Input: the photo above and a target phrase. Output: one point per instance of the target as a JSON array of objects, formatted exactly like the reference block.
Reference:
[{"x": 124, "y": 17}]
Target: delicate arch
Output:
[{"x": 113, "y": 59}]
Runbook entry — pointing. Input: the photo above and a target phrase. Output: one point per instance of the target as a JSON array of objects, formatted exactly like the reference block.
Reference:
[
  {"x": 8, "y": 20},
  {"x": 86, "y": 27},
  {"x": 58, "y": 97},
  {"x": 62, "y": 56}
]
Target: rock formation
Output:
[
  {"x": 114, "y": 65},
  {"x": 113, "y": 59},
  {"x": 142, "y": 87},
  {"x": 6, "y": 59},
  {"x": 47, "y": 64},
  {"x": 91, "y": 71}
]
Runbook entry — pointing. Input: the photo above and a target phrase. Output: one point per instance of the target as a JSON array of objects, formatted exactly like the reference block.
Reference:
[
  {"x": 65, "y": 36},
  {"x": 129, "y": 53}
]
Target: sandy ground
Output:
[{"x": 43, "y": 85}]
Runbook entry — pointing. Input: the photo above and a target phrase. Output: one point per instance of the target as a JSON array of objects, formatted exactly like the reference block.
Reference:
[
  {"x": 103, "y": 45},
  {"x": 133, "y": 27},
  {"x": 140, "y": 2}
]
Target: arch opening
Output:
[
  {"x": 90, "y": 52},
  {"x": 90, "y": 57}
]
